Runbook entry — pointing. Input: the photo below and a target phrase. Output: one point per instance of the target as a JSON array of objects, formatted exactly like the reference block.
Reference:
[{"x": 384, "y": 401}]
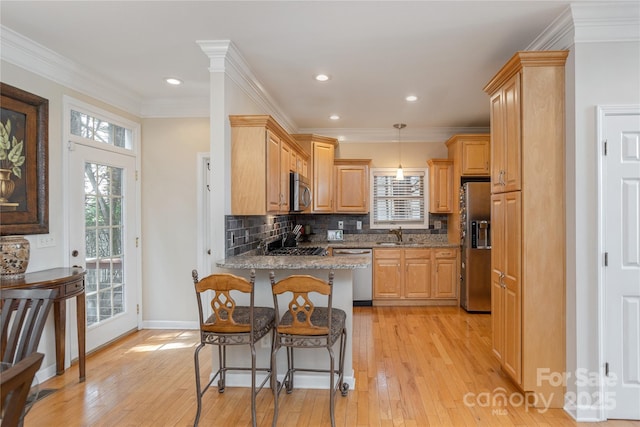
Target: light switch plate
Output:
[{"x": 335, "y": 235}]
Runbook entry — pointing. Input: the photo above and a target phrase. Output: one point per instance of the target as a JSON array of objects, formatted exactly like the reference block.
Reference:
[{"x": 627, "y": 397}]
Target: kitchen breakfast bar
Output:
[{"x": 284, "y": 266}]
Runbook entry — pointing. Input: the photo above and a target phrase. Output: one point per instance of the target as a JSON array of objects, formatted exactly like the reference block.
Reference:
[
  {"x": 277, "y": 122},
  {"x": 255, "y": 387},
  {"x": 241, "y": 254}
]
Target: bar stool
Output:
[
  {"x": 305, "y": 325},
  {"x": 230, "y": 324}
]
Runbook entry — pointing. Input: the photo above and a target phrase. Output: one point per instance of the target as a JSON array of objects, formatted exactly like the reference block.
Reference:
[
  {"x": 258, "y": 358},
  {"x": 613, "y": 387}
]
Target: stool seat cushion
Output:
[
  {"x": 320, "y": 317},
  {"x": 263, "y": 319}
]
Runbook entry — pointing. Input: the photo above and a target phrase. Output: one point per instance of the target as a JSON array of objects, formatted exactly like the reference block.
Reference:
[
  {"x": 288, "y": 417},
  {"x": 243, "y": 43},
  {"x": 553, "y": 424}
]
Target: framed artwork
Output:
[{"x": 24, "y": 190}]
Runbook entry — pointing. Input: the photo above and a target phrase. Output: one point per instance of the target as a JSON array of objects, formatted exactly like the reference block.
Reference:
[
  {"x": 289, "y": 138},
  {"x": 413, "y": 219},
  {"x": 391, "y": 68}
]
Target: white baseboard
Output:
[
  {"x": 583, "y": 413},
  {"x": 169, "y": 324}
]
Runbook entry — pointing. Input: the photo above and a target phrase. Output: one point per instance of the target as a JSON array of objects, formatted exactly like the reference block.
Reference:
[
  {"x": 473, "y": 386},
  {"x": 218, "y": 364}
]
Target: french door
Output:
[{"x": 103, "y": 239}]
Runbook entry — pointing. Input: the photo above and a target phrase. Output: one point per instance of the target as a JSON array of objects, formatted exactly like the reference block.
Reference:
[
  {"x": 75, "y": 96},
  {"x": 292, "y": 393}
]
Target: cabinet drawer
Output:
[
  {"x": 73, "y": 288},
  {"x": 386, "y": 253},
  {"x": 417, "y": 253},
  {"x": 445, "y": 253}
]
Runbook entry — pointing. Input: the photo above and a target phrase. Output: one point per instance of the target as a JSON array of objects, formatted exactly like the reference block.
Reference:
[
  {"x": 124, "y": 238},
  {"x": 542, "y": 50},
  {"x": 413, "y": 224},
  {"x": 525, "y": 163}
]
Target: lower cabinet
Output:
[{"x": 415, "y": 276}]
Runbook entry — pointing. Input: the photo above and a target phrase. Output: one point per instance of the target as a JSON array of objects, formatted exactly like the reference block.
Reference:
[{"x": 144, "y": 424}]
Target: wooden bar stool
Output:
[
  {"x": 231, "y": 324},
  {"x": 305, "y": 325}
]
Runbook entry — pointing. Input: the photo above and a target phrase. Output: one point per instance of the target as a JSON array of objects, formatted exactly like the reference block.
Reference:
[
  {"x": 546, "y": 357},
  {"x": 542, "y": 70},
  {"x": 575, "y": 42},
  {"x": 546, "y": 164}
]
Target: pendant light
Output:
[{"x": 399, "y": 172}]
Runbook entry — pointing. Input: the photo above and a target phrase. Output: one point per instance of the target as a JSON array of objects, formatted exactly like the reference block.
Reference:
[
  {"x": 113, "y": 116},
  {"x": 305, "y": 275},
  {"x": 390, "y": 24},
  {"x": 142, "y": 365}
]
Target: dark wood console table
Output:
[{"x": 69, "y": 282}]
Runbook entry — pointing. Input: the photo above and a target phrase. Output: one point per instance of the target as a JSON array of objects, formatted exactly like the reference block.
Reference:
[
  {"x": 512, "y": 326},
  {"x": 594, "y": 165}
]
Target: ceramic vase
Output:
[{"x": 15, "y": 256}]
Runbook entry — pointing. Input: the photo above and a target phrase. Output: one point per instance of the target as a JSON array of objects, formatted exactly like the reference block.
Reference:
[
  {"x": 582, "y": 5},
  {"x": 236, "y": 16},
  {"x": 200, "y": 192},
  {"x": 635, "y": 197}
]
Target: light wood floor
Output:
[{"x": 414, "y": 367}]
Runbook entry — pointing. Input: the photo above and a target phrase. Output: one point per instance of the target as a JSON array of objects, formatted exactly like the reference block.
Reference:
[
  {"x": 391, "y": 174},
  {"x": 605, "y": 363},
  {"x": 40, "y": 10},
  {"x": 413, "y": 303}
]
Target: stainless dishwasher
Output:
[{"x": 362, "y": 277}]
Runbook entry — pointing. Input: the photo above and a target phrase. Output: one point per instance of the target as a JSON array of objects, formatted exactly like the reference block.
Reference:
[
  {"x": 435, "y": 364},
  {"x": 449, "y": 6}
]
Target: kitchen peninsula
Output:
[{"x": 283, "y": 266}]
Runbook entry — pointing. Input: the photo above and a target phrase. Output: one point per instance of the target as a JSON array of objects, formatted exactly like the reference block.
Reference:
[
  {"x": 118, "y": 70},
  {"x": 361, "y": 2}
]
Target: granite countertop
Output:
[{"x": 266, "y": 262}]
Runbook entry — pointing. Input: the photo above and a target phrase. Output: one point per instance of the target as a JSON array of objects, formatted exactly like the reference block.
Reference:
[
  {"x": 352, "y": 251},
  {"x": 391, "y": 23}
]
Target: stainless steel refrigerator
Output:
[{"x": 475, "y": 229}]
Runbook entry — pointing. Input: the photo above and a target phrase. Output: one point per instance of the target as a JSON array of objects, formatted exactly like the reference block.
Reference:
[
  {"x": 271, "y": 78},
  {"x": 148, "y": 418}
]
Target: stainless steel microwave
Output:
[{"x": 299, "y": 192}]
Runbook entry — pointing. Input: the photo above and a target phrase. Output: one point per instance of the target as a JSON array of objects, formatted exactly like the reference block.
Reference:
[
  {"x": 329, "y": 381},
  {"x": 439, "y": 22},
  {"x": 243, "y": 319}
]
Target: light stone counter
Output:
[{"x": 261, "y": 262}]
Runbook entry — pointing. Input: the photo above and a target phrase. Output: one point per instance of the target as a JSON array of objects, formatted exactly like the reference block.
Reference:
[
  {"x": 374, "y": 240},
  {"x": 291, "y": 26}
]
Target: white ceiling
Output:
[{"x": 375, "y": 52}]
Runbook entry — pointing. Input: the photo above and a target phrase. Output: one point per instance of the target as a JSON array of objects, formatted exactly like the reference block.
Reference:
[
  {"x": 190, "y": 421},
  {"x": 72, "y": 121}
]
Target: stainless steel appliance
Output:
[
  {"x": 299, "y": 192},
  {"x": 362, "y": 277},
  {"x": 475, "y": 229}
]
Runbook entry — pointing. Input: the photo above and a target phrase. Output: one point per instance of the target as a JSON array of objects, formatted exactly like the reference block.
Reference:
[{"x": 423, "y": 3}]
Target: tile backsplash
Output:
[{"x": 244, "y": 233}]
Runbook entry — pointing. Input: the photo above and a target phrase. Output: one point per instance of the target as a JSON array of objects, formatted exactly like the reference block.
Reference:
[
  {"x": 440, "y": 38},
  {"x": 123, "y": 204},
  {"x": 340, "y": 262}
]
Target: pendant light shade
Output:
[{"x": 399, "y": 171}]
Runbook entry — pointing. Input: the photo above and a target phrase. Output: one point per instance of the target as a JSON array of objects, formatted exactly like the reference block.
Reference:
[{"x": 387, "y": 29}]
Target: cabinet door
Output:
[
  {"x": 387, "y": 273},
  {"x": 497, "y": 142},
  {"x": 441, "y": 186},
  {"x": 512, "y": 141},
  {"x": 497, "y": 267},
  {"x": 417, "y": 273},
  {"x": 445, "y": 282},
  {"x": 285, "y": 162},
  {"x": 323, "y": 177},
  {"x": 475, "y": 158},
  {"x": 274, "y": 197},
  {"x": 511, "y": 282},
  {"x": 352, "y": 186}
]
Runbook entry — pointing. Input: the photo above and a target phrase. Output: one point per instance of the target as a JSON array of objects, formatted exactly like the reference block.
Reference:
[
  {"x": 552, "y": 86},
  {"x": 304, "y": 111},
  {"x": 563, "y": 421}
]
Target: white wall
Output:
[
  {"x": 55, "y": 256},
  {"x": 605, "y": 74},
  {"x": 386, "y": 155},
  {"x": 169, "y": 218}
]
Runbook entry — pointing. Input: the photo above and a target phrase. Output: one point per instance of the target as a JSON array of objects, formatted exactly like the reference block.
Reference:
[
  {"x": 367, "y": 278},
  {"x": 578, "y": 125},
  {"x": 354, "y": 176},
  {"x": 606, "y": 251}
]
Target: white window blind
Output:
[{"x": 398, "y": 202}]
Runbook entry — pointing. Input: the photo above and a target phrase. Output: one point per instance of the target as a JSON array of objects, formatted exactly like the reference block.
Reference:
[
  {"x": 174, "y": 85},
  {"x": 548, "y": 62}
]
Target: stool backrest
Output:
[
  {"x": 23, "y": 316},
  {"x": 15, "y": 383},
  {"x": 223, "y": 304},
  {"x": 301, "y": 306}
]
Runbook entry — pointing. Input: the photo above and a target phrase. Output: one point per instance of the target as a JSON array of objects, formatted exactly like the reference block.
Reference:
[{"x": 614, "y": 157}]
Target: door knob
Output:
[{"x": 74, "y": 253}]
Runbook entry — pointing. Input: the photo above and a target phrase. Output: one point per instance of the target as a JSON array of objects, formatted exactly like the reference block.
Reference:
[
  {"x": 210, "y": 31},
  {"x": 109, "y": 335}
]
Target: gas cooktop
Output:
[{"x": 295, "y": 251}]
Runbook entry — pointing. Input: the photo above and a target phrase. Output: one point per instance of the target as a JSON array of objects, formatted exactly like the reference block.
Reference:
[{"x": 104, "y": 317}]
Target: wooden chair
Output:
[
  {"x": 15, "y": 383},
  {"x": 305, "y": 325},
  {"x": 230, "y": 324},
  {"x": 23, "y": 316}
]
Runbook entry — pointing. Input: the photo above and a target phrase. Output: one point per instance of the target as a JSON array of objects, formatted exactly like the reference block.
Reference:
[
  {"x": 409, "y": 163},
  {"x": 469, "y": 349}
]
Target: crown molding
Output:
[
  {"x": 33, "y": 57},
  {"x": 435, "y": 134},
  {"x": 600, "y": 22},
  {"x": 224, "y": 57}
]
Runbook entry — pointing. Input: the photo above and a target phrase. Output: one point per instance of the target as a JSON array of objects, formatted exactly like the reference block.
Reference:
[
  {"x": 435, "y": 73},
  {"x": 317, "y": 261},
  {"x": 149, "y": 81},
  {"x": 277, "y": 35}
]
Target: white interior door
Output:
[
  {"x": 621, "y": 275},
  {"x": 103, "y": 237}
]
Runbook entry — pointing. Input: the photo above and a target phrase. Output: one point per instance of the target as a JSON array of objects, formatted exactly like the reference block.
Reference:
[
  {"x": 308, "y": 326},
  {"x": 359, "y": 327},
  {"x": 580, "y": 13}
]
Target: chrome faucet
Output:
[{"x": 398, "y": 233}]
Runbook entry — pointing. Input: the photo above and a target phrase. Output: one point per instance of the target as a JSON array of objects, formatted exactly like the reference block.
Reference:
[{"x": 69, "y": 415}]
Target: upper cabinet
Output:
[
  {"x": 505, "y": 134},
  {"x": 351, "y": 185},
  {"x": 262, "y": 155},
  {"x": 440, "y": 185},
  {"x": 322, "y": 151},
  {"x": 470, "y": 154}
]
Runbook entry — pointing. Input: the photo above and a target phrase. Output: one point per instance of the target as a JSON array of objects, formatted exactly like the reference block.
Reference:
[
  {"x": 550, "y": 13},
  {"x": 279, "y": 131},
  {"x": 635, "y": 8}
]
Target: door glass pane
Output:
[{"x": 103, "y": 239}]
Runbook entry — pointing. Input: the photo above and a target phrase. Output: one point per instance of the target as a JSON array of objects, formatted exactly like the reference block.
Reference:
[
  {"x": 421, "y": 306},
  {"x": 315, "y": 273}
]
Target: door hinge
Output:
[
  {"x": 137, "y": 308},
  {"x": 137, "y": 241},
  {"x": 606, "y": 369},
  {"x": 605, "y": 147},
  {"x": 606, "y": 259},
  {"x": 136, "y": 175}
]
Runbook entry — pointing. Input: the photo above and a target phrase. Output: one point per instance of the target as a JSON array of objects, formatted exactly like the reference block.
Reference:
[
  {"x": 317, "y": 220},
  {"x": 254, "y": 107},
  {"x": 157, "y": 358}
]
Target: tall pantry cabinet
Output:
[{"x": 528, "y": 221}]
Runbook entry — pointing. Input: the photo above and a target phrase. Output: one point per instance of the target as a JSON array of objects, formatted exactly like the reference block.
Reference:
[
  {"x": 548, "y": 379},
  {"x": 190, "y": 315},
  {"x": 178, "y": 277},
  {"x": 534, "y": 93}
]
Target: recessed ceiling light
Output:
[
  {"x": 322, "y": 77},
  {"x": 411, "y": 98},
  {"x": 173, "y": 81},
  {"x": 342, "y": 138},
  {"x": 334, "y": 117}
]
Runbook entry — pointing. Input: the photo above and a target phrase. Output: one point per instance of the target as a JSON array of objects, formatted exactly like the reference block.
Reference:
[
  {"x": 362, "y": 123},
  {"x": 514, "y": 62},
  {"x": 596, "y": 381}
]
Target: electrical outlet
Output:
[
  {"x": 358, "y": 225},
  {"x": 46, "y": 240},
  {"x": 246, "y": 236},
  {"x": 437, "y": 225},
  {"x": 233, "y": 238},
  {"x": 340, "y": 225}
]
